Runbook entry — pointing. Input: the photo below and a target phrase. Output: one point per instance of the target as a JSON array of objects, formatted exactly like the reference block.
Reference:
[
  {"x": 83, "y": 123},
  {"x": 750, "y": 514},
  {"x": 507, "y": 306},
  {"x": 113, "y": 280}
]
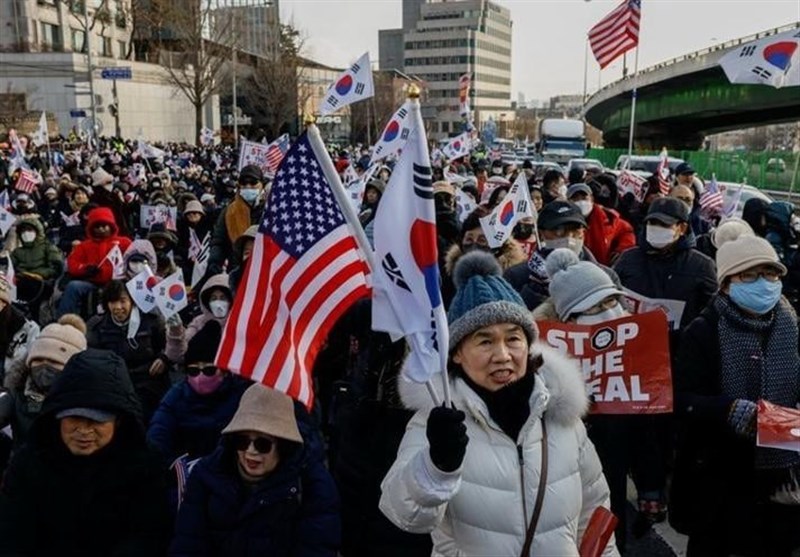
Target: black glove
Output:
[
  {"x": 447, "y": 437},
  {"x": 92, "y": 270}
]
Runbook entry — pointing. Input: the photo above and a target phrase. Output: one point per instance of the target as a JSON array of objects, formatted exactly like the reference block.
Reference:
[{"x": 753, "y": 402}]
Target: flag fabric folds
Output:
[
  {"x": 406, "y": 297},
  {"x": 497, "y": 225},
  {"x": 617, "y": 33},
  {"x": 41, "y": 137},
  {"x": 201, "y": 260},
  {"x": 662, "y": 171},
  {"x": 394, "y": 135},
  {"x": 711, "y": 200},
  {"x": 207, "y": 136},
  {"x": 353, "y": 85},
  {"x": 463, "y": 96},
  {"x": 773, "y": 60},
  {"x": 28, "y": 181},
  {"x": 276, "y": 151},
  {"x": 458, "y": 147},
  {"x": 305, "y": 271}
]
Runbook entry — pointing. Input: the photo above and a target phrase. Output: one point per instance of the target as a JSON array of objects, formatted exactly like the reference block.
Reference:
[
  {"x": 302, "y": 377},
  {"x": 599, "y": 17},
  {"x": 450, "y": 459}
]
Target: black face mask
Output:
[{"x": 522, "y": 231}]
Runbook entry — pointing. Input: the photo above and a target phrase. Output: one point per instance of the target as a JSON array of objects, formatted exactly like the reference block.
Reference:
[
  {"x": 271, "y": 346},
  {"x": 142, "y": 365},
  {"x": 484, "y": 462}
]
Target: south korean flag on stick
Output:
[
  {"x": 354, "y": 85},
  {"x": 516, "y": 205}
]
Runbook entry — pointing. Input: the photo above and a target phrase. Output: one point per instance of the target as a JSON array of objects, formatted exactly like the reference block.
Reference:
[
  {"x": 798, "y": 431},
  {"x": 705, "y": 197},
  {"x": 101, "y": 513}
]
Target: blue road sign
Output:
[
  {"x": 77, "y": 113},
  {"x": 116, "y": 73}
]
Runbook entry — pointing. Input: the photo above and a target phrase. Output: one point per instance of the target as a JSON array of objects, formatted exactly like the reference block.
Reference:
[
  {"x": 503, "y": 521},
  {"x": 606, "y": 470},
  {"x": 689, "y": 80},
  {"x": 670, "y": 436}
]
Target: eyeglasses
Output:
[
  {"x": 772, "y": 275},
  {"x": 262, "y": 445},
  {"x": 194, "y": 371}
]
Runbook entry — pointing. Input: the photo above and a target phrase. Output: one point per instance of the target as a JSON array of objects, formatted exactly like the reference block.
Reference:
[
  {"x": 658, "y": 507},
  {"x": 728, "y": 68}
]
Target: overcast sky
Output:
[{"x": 549, "y": 35}]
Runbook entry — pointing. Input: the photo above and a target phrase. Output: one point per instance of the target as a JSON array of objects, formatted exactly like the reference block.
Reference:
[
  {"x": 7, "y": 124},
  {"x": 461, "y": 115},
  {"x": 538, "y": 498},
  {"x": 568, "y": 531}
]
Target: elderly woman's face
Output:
[
  {"x": 494, "y": 356},
  {"x": 84, "y": 437},
  {"x": 257, "y": 453}
]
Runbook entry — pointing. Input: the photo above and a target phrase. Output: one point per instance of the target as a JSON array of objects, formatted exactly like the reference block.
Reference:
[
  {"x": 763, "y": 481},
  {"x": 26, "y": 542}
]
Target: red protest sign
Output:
[
  {"x": 625, "y": 362},
  {"x": 778, "y": 427}
]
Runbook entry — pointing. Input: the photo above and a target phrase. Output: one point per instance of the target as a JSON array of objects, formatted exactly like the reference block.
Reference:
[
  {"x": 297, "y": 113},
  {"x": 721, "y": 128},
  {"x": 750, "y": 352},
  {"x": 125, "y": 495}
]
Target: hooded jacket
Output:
[
  {"x": 40, "y": 256},
  {"x": 92, "y": 251},
  {"x": 110, "y": 503},
  {"x": 294, "y": 511},
  {"x": 178, "y": 337},
  {"x": 608, "y": 234},
  {"x": 485, "y": 506},
  {"x": 143, "y": 248}
]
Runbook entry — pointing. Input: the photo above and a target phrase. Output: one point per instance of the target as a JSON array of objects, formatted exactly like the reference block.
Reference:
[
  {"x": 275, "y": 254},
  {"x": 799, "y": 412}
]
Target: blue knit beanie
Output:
[{"x": 484, "y": 298}]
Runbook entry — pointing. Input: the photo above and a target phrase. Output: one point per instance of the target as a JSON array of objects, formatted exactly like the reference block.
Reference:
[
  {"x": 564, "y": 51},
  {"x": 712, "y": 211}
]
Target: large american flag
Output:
[
  {"x": 616, "y": 33},
  {"x": 276, "y": 151},
  {"x": 304, "y": 272},
  {"x": 711, "y": 201}
]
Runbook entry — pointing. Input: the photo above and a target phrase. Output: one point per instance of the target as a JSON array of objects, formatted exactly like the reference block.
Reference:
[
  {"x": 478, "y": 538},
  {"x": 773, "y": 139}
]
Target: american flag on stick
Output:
[
  {"x": 305, "y": 271},
  {"x": 663, "y": 173},
  {"x": 711, "y": 201},
  {"x": 276, "y": 151},
  {"x": 27, "y": 181},
  {"x": 616, "y": 33}
]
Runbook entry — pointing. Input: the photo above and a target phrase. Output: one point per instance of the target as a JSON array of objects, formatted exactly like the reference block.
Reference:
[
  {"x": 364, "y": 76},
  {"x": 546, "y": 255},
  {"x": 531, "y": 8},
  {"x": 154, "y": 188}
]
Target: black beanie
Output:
[{"x": 204, "y": 344}]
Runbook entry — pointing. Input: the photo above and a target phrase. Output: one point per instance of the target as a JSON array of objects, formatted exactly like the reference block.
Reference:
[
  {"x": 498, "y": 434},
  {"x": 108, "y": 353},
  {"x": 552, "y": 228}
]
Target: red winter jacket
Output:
[
  {"x": 92, "y": 251},
  {"x": 608, "y": 235}
]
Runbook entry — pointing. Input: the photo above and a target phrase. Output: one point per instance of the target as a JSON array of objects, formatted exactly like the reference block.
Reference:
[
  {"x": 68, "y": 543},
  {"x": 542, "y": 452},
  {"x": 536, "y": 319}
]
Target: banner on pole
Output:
[{"x": 625, "y": 362}]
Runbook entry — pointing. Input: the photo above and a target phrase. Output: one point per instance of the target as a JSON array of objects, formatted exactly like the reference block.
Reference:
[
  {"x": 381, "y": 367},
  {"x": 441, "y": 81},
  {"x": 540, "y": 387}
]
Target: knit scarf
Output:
[
  {"x": 759, "y": 360},
  {"x": 237, "y": 218}
]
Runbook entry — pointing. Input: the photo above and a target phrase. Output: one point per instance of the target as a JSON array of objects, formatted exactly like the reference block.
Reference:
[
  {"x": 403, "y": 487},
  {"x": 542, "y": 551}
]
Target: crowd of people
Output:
[{"x": 122, "y": 437}]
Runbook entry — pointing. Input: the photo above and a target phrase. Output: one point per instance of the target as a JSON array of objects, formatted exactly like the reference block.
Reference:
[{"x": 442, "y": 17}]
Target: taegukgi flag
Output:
[
  {"x": 394, "y": 135},
  {"x": 516, "y": 205},
  {"x": 773, "y": 60},
  {"x": 406, "y": 296},
  {"x": 458, "y": 147},
  {"x": 353, "y": 85}
]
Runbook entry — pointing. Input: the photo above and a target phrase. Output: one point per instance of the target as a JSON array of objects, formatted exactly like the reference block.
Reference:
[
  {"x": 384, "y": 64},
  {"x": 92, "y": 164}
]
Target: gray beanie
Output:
[
  {"x": 575, "y": 285},
  {"x": 484, "y": 298}
]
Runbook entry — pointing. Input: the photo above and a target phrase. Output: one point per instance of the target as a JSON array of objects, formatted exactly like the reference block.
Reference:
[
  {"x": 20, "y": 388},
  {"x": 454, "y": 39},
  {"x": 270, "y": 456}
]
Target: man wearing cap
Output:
[
  {"x": 608, "y": 234},
  {"x": 684, "y": 174},
  {"x": 729, "y": 495},
  {"x": 244, "y": 211},
  {"x": 665, "y": 265},
  {"x": 85, "y": 483},
  {"x": 560, "y": 225}
]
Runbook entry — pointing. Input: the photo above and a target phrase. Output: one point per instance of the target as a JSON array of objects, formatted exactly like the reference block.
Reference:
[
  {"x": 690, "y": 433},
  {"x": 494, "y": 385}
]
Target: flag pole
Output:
[
  {"x": 339, "y": 193},
  {"x": 633, "y": 104}
]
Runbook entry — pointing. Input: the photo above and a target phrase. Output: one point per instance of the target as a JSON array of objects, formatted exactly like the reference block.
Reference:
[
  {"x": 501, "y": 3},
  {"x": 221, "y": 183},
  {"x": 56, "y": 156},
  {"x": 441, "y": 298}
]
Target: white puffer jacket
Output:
[{"x": 484, "y": 507}]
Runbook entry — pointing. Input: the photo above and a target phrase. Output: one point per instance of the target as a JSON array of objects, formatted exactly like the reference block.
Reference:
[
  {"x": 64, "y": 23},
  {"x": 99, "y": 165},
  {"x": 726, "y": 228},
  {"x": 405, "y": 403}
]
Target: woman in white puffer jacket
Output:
[{"x": 471, "y": 478}]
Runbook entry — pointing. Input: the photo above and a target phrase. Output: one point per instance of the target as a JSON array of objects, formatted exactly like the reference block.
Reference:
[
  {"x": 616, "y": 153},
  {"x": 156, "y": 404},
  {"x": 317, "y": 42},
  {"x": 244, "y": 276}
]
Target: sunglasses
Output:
[
  {"x": 194, "y": 371},
  {"x": 262, "y": 445}
]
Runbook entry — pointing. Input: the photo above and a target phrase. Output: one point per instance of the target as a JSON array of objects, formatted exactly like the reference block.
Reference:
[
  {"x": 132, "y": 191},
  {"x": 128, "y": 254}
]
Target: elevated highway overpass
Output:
[{"x": 682, "y": 100}]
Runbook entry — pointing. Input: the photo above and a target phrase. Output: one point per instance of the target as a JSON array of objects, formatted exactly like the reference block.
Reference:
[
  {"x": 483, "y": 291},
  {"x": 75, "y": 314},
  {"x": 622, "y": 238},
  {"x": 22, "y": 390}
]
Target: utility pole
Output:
[
  {"x": 235, "y": 108},
  {"x": 88, "y": 42}
]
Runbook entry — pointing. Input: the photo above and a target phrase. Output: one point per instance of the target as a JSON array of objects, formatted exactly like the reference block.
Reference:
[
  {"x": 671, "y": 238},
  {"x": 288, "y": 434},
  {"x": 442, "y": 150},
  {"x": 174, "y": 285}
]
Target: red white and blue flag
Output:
[
  {"x": 305, "y": 271},
  {"x": 498, "y": 225},
  {"x": 617, "y": 33},
  {"x": 276, "y": 151},
  {"x": 663, "y": 173},
  {"x": 711, "y": 201},
  {"x": 27, "y": 181},
  {"x": 353, "y": 85}
]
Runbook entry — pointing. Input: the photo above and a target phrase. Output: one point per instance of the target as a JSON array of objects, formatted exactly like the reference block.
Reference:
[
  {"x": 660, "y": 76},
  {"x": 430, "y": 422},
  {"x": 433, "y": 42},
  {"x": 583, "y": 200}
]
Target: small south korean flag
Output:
[{"x": 354, "y": 85}]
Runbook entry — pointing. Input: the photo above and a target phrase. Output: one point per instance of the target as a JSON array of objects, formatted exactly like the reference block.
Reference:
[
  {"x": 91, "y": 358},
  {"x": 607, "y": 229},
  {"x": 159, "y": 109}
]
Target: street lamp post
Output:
[{"x": 88, "y": 42}]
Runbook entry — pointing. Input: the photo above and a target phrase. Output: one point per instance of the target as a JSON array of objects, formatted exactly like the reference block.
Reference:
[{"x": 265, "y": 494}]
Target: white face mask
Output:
[
  {"x": 219, "y": 308},
  {"x": 608, "y": 315},
  {"x": 562, "y": 191},
  {"x": 585, "y": 206},
  {"x": 658, "y": 236},
  {"x": 28, "y": 236},
  {"x": 136, "y": 267},
  {"x": 574, "y": 244}
]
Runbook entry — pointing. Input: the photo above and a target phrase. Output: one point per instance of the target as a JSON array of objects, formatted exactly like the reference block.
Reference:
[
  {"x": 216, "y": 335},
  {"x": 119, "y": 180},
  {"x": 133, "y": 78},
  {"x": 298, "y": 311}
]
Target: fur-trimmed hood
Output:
[
  {"x": 560, "y": 390},
  {"x": 546, "y": 311}
]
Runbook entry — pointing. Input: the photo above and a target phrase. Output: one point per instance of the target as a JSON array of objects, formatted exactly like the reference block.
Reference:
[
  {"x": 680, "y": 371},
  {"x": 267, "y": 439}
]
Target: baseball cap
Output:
[
  {"x": 578, "y": 188},
  {"x": 251, "y": 172},
  {"x": 684, "y": 168},
  {"x": 89, "y": 413},
  {"x": 668, "y": 210},
  {"x": 558, "y": 213}
]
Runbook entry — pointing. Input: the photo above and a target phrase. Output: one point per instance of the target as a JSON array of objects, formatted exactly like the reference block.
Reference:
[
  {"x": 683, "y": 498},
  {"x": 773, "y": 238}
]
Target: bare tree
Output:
[
  {"x": 271, "y": 92},
  {"x": 193, "y": 39}
]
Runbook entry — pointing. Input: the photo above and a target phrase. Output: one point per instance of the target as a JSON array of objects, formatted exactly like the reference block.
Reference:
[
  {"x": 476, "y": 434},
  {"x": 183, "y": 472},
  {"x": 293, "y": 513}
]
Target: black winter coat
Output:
[
  {"x": 112, "y": 503},
  {"x": 680, "y": 273},
  {"x": 293, "y": 512},
  {"x": 714, "y": 492}
]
